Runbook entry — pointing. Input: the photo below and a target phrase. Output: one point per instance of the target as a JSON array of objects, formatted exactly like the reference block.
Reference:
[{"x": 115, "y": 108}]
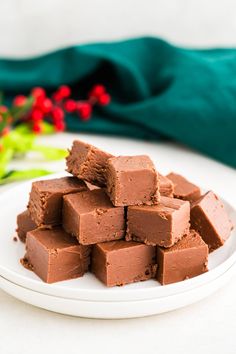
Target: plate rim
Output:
[
  {"x": 193, "y": 296},
  {"x": 132, "y": 294}
]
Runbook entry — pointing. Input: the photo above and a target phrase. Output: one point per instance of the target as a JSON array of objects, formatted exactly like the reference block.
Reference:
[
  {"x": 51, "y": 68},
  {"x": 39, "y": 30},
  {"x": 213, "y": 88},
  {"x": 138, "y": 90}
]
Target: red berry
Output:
[
  {"x": 84, "y": 110},
  {"x": 57, "y": 114},
  {"x": 38, "y": 92},
  {"x": 64, "y": 91},
  {"x": 37, "y": 128},
  {"x": 36, "y": 115},
  {"x": 3, "y": 109},
  {"x": 19, "y": 101},
  {"x": 57, "y": 97},
  {"x": 104, "y": 99},
  {"x": 97, "y": 91},
  {"x": 46, "y": 105},
  {"x": 70, "y": 106},
  {"x": 60, "y": 126}
]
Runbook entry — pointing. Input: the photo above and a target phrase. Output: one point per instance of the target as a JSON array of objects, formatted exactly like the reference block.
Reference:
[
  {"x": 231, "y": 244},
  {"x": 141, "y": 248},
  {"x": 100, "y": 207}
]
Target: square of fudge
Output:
[
  {"x": 87, "y": 162},
  {"x": 209, "y": 218},
  {"x": 132, "y": 180},
  {"x": 24, "y": 224},
  {"x": 55, "y": 255},
  {"x": 45, "y": 203},
  {"x": 186, "y": 259},
  {"x": 166, "y": 186},
  {"x": 121, "y": 262},
  {"x": 163, "y": 224},
  {"x": 183, "y": 189},
  {"x": 92, "y": 218}
]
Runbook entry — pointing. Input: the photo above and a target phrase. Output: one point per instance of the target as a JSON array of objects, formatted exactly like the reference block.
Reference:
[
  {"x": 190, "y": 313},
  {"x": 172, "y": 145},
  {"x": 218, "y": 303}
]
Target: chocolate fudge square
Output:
[
  {"x": 163, "y": 224},
  {"x": 209, "y": 218},
  {"x": 91, "y": 217},
  {"x": 166, "y": 186},
  {"x": 87, "y": 162},
  {"x": 121, "y": 262},
  {"x": 132, "y": 180},
  {"x": 55, "y": 256},
  {"x": 24, "y": 224},
  {"x": 45, "y": 203},
  {"x": 186, "y": 259},
  {"x": 183, "y": 189}
]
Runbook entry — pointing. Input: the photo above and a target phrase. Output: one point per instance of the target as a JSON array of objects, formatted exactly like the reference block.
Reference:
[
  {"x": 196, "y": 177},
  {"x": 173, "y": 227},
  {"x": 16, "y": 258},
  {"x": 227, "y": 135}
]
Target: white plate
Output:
[
  {"x": 88, "y": 287},
  {"x": 116, "y": 309}
]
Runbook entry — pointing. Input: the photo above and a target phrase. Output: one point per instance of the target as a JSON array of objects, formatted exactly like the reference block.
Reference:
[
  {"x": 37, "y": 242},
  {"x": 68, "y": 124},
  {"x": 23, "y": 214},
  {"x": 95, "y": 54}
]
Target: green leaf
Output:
[
  {"x": 19, "y": 142},
  {"x": 23, "y": 129},
  {"x": 47, "y": 128},
  {"x": 5, "y": 157},
  {"x": 50, "y": 153},
  {"x": 13, "y": 176}
]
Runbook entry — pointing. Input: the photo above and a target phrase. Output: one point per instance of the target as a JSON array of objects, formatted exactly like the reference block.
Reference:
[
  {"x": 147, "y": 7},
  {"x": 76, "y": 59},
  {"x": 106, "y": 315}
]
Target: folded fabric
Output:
[{"x": 158, "y": 90}]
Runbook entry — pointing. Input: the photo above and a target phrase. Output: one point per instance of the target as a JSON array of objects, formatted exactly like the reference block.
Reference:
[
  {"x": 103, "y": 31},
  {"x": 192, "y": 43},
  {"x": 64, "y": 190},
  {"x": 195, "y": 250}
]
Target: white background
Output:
[
  {"x": 29, "y": 27},
  {"x": 33, "y": 27}
]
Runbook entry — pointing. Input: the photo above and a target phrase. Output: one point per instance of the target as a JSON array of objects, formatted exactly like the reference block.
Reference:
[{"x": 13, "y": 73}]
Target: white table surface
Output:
[{"x": 205, "y": 327}]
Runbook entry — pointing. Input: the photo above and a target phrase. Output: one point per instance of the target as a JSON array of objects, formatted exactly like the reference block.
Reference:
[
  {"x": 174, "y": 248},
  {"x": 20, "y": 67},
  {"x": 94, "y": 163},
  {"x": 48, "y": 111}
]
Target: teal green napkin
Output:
[{"x": 158, "y": 90}]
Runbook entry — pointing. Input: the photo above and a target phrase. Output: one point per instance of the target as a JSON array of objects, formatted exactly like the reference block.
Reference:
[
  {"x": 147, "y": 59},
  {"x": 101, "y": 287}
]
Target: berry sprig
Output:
[
  {"x": 38, "y": 108},
  {"x": 97, "y": 96}
]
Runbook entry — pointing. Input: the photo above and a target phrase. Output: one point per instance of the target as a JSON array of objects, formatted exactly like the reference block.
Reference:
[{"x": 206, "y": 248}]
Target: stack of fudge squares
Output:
[{"x": 120, "y": 219}]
